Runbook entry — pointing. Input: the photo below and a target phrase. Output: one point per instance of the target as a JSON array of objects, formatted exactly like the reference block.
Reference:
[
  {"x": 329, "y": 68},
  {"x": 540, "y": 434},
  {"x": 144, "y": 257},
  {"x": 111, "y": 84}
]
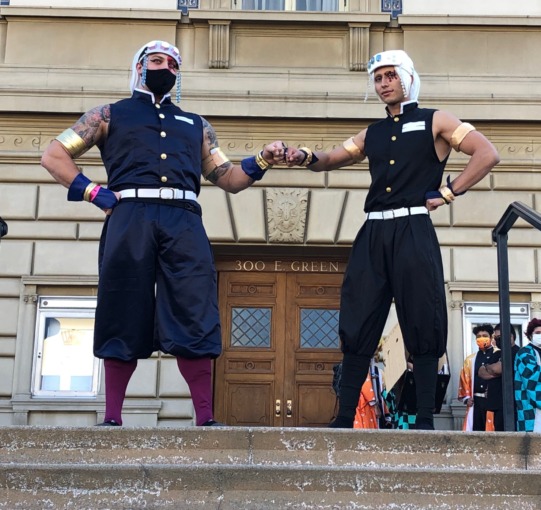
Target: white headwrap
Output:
[
  {"x": 404, "y": 68},
  {"x": 147, "y": 49}
]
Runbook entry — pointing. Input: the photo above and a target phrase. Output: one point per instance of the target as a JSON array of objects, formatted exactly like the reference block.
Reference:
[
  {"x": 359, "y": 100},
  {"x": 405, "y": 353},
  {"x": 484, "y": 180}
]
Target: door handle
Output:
[
  {"x": 289, "y": 409},
  {"x": 278, "y": 408}
]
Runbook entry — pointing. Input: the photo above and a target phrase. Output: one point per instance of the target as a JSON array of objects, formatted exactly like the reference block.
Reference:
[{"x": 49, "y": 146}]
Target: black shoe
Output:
[
  {"x": 109, "y": 423},
  {"x": 212, "y": 423},
  {"x": 341, "y": 423}
]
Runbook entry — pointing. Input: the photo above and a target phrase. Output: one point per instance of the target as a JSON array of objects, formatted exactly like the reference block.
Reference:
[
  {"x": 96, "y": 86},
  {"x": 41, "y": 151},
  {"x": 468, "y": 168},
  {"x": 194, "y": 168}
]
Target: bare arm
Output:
[
  {"x": 59, "y": 157},
  {"x": 92, "y": 128},
  {"x": 224, "y": 174},
  {"x": 484, "y": 155}
]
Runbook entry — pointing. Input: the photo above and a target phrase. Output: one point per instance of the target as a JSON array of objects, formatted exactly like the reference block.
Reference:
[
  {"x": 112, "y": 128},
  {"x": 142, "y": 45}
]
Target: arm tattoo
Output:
[
  {"x": 219, "y": 171},
  {"x": 211, "y": 140},
  {"x": 88, "y": 127},
  {"x": 209, "y": 134}
]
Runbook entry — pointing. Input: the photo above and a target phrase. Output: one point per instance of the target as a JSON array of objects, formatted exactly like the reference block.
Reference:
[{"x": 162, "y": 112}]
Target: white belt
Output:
[
  {"x": 163, "y": 193},
  {"x": 396, "y": 213}
]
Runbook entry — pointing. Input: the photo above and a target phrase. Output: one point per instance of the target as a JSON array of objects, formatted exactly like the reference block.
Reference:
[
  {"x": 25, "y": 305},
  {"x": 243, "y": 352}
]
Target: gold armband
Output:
[
  {"x": 309, "y": 156},
  {"x": 447, "y": 194},
  {"x": 262, "y": 162},
  {"x": 352, "y": 148},
  {"x": 72, "y": 142},
  {"x": 218, "y": 156},
  {"x": 459, "y": 134},
  {"x": 216, "y": 159}
]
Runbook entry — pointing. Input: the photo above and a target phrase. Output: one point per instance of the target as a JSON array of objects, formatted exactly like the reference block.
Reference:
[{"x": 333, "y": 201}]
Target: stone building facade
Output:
[{"x": 280, "y": 247}]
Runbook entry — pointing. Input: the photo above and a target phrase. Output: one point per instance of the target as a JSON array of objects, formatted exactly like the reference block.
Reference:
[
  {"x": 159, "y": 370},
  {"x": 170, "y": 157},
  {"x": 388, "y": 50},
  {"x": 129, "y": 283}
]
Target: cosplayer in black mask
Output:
[
  {"x": 498, "y": 336},
  {"x": 149, "y": 71}
]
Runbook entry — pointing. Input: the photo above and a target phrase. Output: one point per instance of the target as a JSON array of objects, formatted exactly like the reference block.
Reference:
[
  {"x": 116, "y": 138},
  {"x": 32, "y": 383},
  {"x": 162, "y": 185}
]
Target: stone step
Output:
[
  {"x": 33, "y": 486},
  {"x": 272, "y": 446},
  {"x": 266, "y": 468}
]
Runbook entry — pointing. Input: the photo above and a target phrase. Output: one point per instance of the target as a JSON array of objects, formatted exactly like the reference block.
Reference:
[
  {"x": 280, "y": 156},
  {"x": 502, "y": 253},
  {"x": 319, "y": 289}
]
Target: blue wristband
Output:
[
  {"x": 451, "y": 188},
  {"x": 315, "y": 159},
  {"x": 76, "y": 191},
  {"x": 252, "y": 169},
  {"x": 435, "y": 194},
  {"x": 105, "y": 199}
]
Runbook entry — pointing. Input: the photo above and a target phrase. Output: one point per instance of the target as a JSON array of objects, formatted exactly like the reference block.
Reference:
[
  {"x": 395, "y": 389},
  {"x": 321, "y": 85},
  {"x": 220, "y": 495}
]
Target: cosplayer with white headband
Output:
[
  {"x": 403, "y": 65},
  {"x": 158, "y": 81}
]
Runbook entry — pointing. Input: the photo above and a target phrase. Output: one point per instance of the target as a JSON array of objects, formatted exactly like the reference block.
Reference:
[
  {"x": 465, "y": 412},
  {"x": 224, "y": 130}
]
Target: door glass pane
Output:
[
  {"x": 317, "y": 5},
  {"x": 250, "y": 327},
  {"x": 319, "y": 329},
  {"x": 263, "y": 5}
]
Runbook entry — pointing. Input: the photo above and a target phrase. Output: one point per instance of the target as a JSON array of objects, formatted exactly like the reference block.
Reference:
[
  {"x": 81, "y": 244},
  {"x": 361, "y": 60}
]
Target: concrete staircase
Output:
[{"x": 266, "y": 468}]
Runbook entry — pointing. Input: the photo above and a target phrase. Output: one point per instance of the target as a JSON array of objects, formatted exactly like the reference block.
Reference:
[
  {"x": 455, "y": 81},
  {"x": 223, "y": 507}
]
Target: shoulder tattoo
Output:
[
  {"x": 209, "y": 134},
  {"x": 89, "y": 126}
]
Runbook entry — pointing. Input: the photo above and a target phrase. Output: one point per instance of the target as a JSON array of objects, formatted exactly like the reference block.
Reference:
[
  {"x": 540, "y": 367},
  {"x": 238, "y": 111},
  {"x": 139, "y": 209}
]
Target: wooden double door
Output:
[{"x": 280, "y": 343}]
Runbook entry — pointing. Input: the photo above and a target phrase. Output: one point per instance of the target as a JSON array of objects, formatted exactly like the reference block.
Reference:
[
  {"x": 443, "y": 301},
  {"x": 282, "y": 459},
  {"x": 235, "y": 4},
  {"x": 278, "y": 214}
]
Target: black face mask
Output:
[
  {"x": 498, "y": 340},
  {"x": 160, "y": 81}
]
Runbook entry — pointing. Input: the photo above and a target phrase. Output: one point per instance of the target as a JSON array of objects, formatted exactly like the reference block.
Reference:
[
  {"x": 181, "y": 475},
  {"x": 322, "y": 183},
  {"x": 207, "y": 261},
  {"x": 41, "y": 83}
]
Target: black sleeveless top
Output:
[
  {"x": 402, "y": 160},
  {"x": 148, "y": 142}
]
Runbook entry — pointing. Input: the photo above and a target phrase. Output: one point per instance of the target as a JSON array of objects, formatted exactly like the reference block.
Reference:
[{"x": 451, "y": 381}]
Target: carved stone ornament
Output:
[
  {"x": 286, "y": 213},
  {"x": 535, "y": 306}
]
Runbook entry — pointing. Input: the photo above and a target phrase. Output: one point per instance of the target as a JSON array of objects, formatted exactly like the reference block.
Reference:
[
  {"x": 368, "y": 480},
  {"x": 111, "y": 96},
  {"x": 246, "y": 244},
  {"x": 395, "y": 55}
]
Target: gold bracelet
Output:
[
  {"x": 72, "y": 142},
  {"x": 309, "y": 156},
  {"x": 447, "y": 194},
  {"x": 262, "y": 162},
  {"x": 88, "y": 191}
]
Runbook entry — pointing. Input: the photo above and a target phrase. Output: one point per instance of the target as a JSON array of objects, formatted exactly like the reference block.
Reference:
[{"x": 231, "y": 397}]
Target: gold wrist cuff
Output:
[
  {"x": 352, "y": 148},
  {"x": 72, "y": 142},
  {"x": 447, "y": 194},
  {"x": 262, "y": 162},
  {"x": 309, "y": 156},
  {"x": 88, "y": 191},
  {"x": 459, "y": 134}
]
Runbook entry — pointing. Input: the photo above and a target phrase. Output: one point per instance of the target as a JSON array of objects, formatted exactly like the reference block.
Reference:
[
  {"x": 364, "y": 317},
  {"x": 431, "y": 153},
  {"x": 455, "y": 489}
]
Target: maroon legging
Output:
[
  {"x": 196, "y": 372},
  {"x": 117, "y": 377}
]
